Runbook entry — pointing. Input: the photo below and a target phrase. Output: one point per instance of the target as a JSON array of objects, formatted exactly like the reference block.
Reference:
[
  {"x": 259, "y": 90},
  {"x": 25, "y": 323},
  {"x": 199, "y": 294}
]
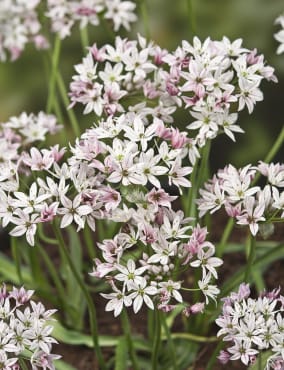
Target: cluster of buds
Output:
[
  {"x": 253, "y": 326},
  {"x": 19, "y": 24},
  {"x": 213, "y": 80},
  {"x": 255, "y": 206},
  {"x": 25, "y": 330}
]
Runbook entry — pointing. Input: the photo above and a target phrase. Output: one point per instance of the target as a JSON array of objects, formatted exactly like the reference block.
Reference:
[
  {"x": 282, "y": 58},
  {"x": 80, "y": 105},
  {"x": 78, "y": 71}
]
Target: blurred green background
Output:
[{"x": 23, "y": 84}]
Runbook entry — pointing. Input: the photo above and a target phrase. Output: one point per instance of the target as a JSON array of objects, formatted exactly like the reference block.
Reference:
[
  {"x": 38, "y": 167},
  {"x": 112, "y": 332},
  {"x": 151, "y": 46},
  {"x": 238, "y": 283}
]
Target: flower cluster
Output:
[
  {"x": 255, "y": 206},
  {"x": 107, "y": 160},
  {"x": 253, "y": 326},
  {"x": 16, "y": 136},
  {"x": 64, "y": 14},
  {"x": 115, "y": 173},
  {"x": 19, "y": 25},
  {"x": 212, "y": 80},
  {"x": 279, "y": 36},
  {"x": 25, "y": 329},
  {"x": 164, "y": 244}
]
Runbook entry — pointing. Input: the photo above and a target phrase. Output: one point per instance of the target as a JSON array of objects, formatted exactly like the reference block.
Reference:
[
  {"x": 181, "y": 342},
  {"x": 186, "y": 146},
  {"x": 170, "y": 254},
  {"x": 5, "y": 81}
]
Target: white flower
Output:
[
  {"x": 130, "y": 274},
  {"x": 73, "y": 210},
  {"x": 26, "y": 224},
  {"x": 208, "y": 290},
  {"x": 117, "y": 301},
  {"x": 141, "y": 294},
  {"x": 121, "y": 13}
]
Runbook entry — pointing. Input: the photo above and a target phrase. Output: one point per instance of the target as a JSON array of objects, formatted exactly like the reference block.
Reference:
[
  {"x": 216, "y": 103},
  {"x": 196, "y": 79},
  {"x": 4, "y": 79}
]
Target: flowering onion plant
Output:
[{"x": 120, "y": 216}]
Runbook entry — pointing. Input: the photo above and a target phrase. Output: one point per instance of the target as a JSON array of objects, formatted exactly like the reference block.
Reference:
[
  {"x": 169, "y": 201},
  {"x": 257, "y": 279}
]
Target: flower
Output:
[
  {"x": 24, "y": 330},
  {"x": 251, "y": 326}
]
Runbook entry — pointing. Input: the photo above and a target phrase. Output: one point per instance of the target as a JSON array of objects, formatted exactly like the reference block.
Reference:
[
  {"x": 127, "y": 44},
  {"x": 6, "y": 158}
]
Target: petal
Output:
[{"x": 66, "y": 220}]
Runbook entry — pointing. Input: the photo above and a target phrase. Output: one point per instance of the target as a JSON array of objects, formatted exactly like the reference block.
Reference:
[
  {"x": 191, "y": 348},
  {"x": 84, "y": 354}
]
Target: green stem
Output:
[
  {"x": 17, "y": 258},
  {"x": 37, "y": 272},
  {"x": 52, "y": 80},
  {"x": 203, "y": 172},
  {"x": 143, "y": 9},
  {"x": 127, "y": 332},
  {"x": 45, "y": 238},
  {"x": 213, "y": 357},
  {"x": 91, "y": 307},
  {"x": 251, "y": 256},
  {"x": 259, "y": 359},
  {"x": 89, "y": 240},
  {"x": 264, "y": 260},
  {"x": 157, "y": 340},
  {"x": 170, "y": 341},
  {"x": 189, "y": 200},
  {"x": 194, "y": 337},
  {"x": 70, "y": 112},
  {"x": 84, "y": 38},
  {"x": 53, "y": 273},
  {"x": 273, "y": 151},
  {"x": 150, "y": 324},
  {"x": 191, "y": 19},
  {"x": 225, "y": 236},
  {"x": 23, "y": 364}
]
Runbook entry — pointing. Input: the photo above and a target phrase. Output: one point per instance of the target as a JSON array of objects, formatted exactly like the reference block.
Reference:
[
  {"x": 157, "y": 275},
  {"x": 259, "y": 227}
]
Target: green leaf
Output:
[
  {"x": 74, "y": 294},
  {"x": 62, "y": 365},
  {"x": 74, "y": 337},
  {"x": 185, "y": 354},
  {"x": 121, "y": 354},
  {"x": 172, "y": 315},
  {"x": 9, "y": 272},
  {"x": 265, "y": 259},
  {"x": 261, "y": 360}
]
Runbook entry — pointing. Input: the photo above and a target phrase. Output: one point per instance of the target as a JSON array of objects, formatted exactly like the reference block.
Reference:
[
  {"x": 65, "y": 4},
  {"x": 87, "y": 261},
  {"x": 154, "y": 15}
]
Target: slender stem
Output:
[
  {"x": 60, "y": 118},
  {"x": 198, "y": 177},
  {"x": 53, "y": 273},
  {"x": 194, "y": 337},
  {"x": 84, "y": 38},
  {"x": 191, "y": 19},
  {"x": 170, "y": 341},
  {"x": 127, "y": 332},
  {"x": 251, "y": 256},
  {"x": 226, "y": 234},
  {"x": 45, "y": 238},
  {"x": 150, "y": 324},
  {"x": 203, "y": 172},
  {"x": 109, "y": 31},
  {"x": 89, "y": 240},
  {"x": 17, "y": 259},
  {"x": 37, "y": 272},
  {"x": 54, "y": 68},
  {"x": 259, "y": 361},
  {"x": 189, "y": 200},
  {"x": 91, "y": 307},
  {"x": 276, "y": 146},
  {"x": 272, "y": 152},
  {"x": 157, "y": 340},
  {"x": 143, "y": 9},
  {"x": 70, "y": 112},
  {"x": 23, "y": 364},
  {"x": 213, "y": 357}
]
